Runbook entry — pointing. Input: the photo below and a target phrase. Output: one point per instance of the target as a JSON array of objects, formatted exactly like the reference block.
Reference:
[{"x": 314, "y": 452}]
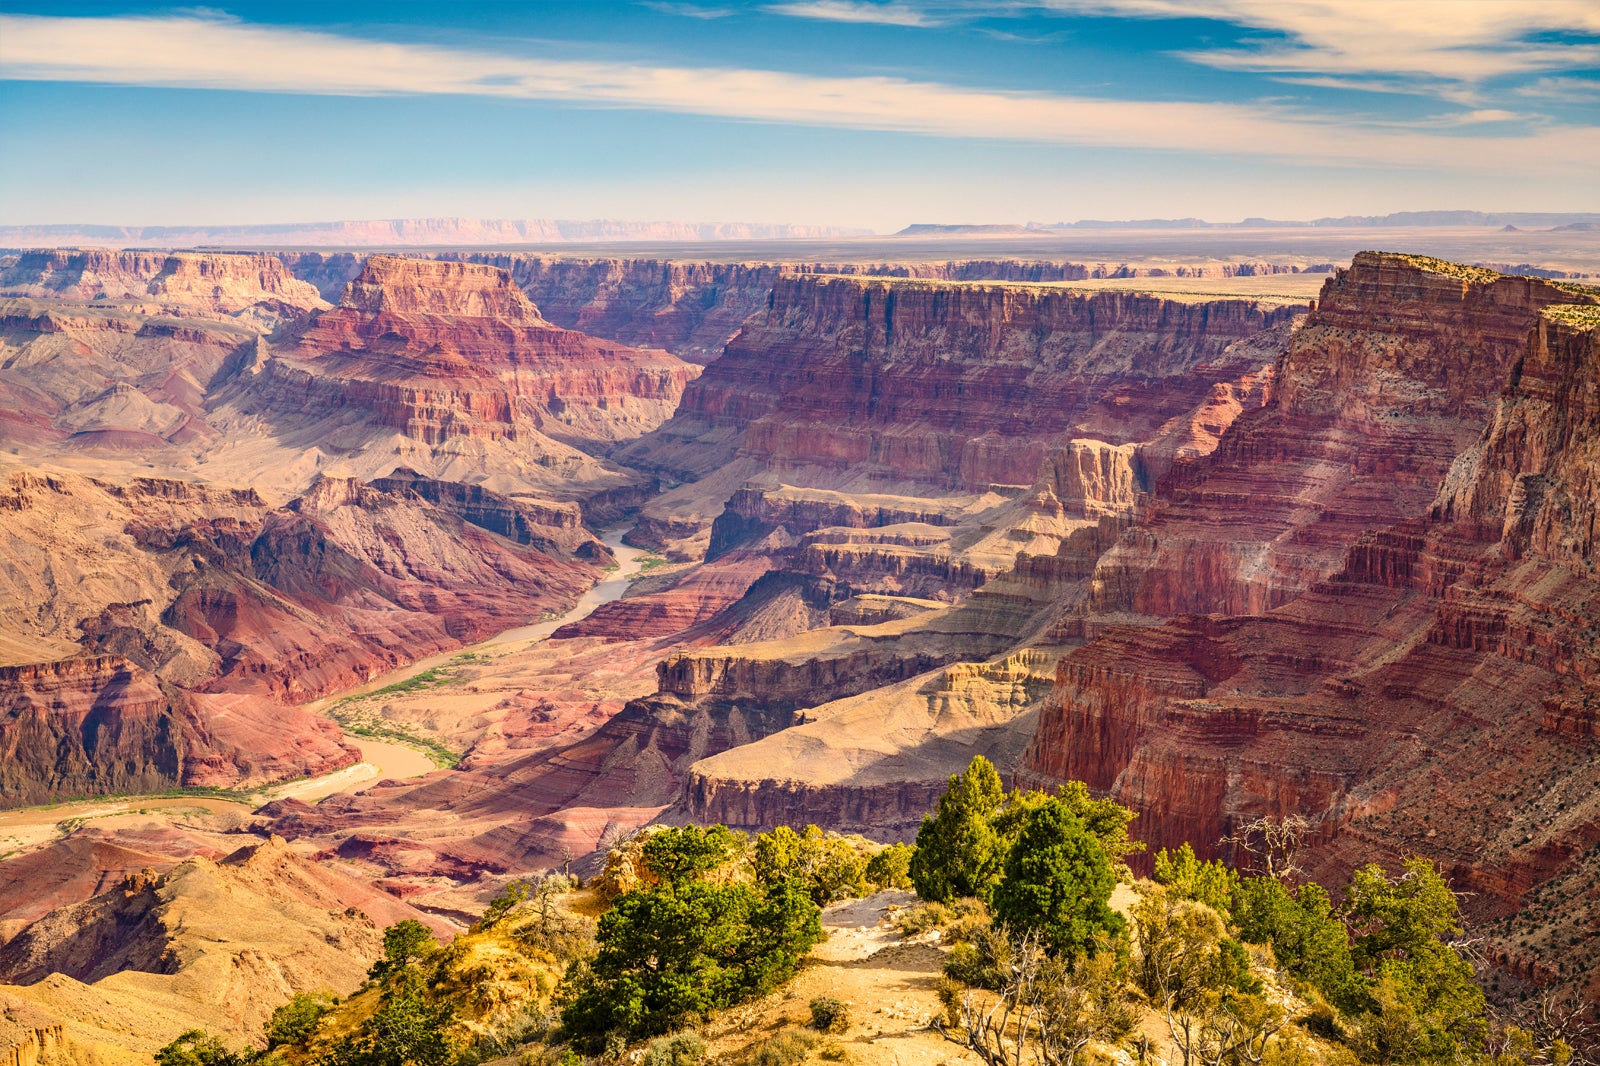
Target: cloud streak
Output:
[
  {"x": 893, "y": 13},
  {"x": 197, "y": 53},
  {"x": 1448, "y": 39}
]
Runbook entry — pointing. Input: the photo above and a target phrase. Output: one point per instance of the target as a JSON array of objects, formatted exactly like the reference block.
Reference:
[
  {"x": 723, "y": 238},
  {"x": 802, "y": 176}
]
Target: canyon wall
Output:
[
  {"x": 1393, "y": 376},
  {"x": 184, "y": 618},
  {"x": 944, "y": 385},
  {"x": 223, "y": 284},
  {"x": 1430, "y": 686}
]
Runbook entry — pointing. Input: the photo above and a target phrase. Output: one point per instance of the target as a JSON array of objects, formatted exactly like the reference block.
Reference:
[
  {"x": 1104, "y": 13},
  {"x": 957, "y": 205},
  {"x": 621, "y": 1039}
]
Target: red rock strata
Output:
[
  {"x": 1394, "y": 375},
  {"x": 1425, "y": 675},
  {"x": 947, "y": 385},
  {"x": 222, "y": 283},
  {"x": 439, "y": 350},
  {"x": 205, "y": 610}
]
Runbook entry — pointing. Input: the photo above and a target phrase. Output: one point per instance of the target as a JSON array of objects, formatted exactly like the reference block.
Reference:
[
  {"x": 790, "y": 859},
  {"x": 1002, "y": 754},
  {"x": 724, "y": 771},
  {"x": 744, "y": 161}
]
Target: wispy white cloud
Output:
[
  {"x": 1453, "y": 92},
  {"x": 684, "y": 10},
  {"x": 888, "y": 13},
  {"x": 206, "y": 54},
  {"x": 1564, "y": 90},
  {"x": 1459, "y": 40}
]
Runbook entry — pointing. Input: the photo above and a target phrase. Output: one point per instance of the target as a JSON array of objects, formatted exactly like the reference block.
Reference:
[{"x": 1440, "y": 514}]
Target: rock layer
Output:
[
  {"x": 947, "y": 385},
  {"x": 1429, "y": 685}
]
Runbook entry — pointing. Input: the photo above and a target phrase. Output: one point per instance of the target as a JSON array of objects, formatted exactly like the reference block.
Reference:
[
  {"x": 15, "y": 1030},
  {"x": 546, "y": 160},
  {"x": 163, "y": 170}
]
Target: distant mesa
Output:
[
  {"x": 406, "y": 233},
  {"x": 930, "y": 229}
]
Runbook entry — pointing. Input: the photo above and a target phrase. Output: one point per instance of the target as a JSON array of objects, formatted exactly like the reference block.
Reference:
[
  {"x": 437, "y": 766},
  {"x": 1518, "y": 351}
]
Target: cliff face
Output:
[
  {"x": 1392, "y": 377},
  {"x": 1435, "y": 690},
  {"x": 414, "y": 336},
  {"x": 691, "y": 308},
  {"x": 208, "y": 610},
  {"x": 948, "y": 385},
  {"x": 1532, "y": 481},
  {"x": 80, "y": 378},
  {"x": 93, "y": 724},
  {"x": 213, "y": 943},
  {"x": 217, "y": 283},
  {"x": 688, "y": 308}
]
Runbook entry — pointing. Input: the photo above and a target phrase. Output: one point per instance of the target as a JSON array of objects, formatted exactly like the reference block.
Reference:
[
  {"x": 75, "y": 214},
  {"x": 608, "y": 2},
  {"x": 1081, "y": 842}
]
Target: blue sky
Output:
[{"x": 864, "y": 113}]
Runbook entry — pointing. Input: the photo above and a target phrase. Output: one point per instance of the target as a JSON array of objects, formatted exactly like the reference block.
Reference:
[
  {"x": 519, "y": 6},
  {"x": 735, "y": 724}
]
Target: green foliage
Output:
[
  {"x": 1423, "y": 1005},
  {"x": 958, "y": 851},
  {"x": 829, "y": 867},
  {"x": 1308, "y": 939},
  {"x": 681, "y": 853},
  {"x": 1180, "y": 954},
  {"x": 404, "y": 943},
  {"x": 679, "y": 1049},
  {"x": 983, "y": 961},
  {"x": 1233, "y": 968},
  {"x": 293, "y": 1023},
  {"x": 914, "y": 921},
  {"x": 408, "y": 1029},
  {"x": 830, "y": 1015},
  {"x": 1058, "y": 880},
  {"x": 1384, "y": 960},
  {"x": 197, "y": 1048},
  {"x": 1106, "y": 820},
  {"x": 503, "y": 905},
  {"x": 1187, "y": 877},
  {"x": 673, "y": 952},
  {"x": 891, "y": 867}
]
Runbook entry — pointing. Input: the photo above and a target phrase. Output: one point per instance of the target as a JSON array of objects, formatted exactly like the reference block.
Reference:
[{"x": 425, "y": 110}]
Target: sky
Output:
[{"x": 870, "y": 114}]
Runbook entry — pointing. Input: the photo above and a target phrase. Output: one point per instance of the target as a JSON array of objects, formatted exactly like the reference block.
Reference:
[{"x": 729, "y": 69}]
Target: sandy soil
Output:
[
  {"x": 27, "y": 828},
  {"x": 888, "y": 982}
]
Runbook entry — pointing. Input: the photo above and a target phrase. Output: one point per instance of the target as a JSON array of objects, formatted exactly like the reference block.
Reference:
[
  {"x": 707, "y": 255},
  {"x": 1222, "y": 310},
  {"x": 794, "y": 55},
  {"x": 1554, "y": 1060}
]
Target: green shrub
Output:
[
  {"x": 198, "y": 1048},
  {"x": 1058, "y": 880},
  {"x": 672, "y": 953},
  {"x": 830, "y": 1015},
  {"x": 829, "y": 866},
  {"x": 295, "y": 1021},
  {"x": 891, "y": 867},
  {"x": 984, "y": 962},
  {"x": 958, "y": 852},
  {"x": 1210, "y": 883}
]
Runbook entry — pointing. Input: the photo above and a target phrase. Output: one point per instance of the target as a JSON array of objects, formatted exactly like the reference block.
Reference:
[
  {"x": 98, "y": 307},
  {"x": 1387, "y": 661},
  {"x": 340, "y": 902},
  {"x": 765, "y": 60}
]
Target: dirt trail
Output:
[{"x": 888, "y": 981}]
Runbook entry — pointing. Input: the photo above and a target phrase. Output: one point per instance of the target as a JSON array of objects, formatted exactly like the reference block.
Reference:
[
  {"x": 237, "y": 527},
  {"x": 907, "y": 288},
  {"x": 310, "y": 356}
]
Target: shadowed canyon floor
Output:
[{"x": 1267, "y": 549}]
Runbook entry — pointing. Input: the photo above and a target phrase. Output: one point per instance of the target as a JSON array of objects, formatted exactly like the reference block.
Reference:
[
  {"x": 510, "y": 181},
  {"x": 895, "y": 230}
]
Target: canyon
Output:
[{"x": 1219, "y": 554}]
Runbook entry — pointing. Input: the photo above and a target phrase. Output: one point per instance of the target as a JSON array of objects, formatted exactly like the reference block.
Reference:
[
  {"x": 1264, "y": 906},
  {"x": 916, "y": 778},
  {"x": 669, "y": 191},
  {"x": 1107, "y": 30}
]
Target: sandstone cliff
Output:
[
  {"x": 943, "y": 385},
  {"x": 1432, "y": 688},
  {"x": 260, "y": 287},
  {"x": 447, "y": 368},
  {"x": 205, "y": 606},
  {"x": 1392, "y": 376}
]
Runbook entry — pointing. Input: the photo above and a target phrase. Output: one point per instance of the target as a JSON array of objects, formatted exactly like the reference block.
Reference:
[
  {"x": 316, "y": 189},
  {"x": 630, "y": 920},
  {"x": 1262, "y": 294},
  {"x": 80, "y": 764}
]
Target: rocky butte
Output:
[{"x": 161, "y": 629}]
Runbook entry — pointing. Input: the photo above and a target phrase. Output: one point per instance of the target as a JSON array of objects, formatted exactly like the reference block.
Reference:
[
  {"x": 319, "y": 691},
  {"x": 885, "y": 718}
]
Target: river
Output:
[
  {"x": 24, "y": 828},
  {"x": 382, "y": 759}
]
